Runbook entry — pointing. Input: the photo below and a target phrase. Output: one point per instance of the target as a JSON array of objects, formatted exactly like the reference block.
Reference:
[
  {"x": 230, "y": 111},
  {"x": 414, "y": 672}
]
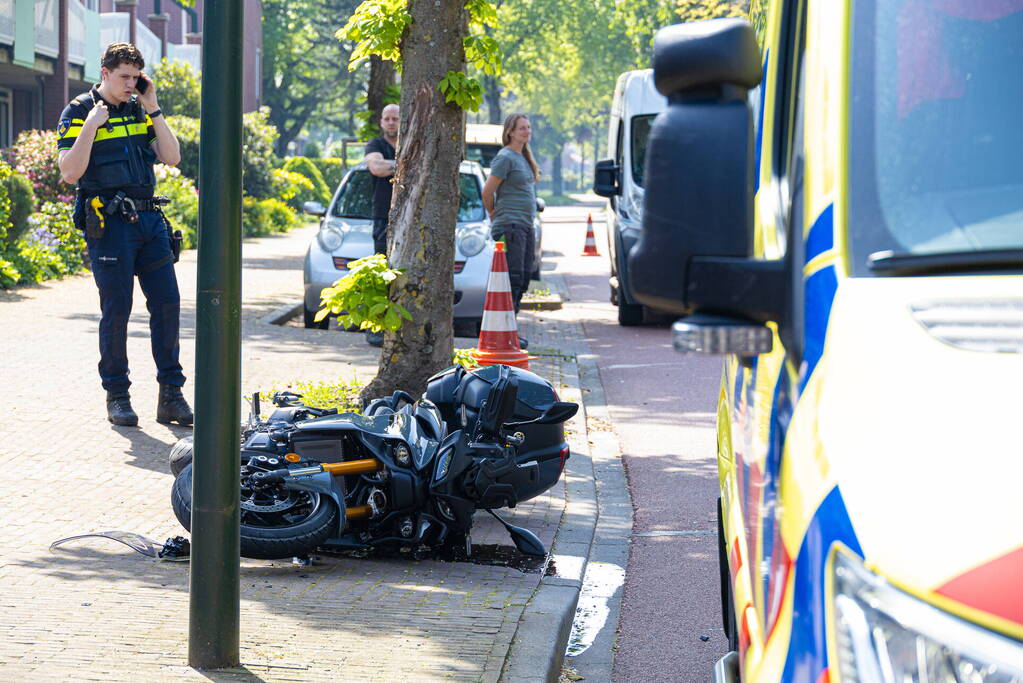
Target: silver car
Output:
[{"x": 346, "y": 234}]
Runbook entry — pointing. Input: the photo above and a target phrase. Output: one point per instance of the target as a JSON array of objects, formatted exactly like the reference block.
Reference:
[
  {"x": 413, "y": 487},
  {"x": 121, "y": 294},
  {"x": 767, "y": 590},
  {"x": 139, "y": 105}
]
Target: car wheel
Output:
[
  {"x": 309, "y": 318},
  {"x": 629, "y": 315}
]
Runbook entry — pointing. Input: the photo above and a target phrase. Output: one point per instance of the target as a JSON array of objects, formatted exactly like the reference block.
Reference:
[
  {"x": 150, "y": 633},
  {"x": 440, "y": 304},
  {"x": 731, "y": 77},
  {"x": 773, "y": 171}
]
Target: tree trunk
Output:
[
  {"x": 492, "y": 96},
  {"x": 557, "y": 181},
  {"x": 424, "y": 207},
  {"x": 381, "y": 76}
]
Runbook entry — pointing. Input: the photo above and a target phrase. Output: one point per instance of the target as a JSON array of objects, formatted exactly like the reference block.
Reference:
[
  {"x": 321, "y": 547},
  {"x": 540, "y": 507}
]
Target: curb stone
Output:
[{"x": 281, "y": 315}]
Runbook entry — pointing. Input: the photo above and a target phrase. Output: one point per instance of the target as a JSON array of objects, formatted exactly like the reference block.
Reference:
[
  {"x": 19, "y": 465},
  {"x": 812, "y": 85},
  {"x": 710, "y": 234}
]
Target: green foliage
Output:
[
  {"x": 360, "y": 299},
  {"x": 34, "y": 155},
  {"x": 367, "y": 130},
  {"x": 53, "y": 248},
  {"x": 183, "y": 210},
  {"x": 312, "y": 150},
  {"x": 342, "y": 394},
  {"x": 22, "y": 198},
  {"x": 258, "y": 160},
  {"x": 464, "y": 91},
  {"x": 178, "y": 87},
  {"x": 309, "y": 170},
  {"x": 266, "y": 216},
  {"x": 464, "y": 358},
  {"x": 700, "y": 10},
  {"x": 333, "y": 171},
  {"x": 377, "y": 27},
  {"x": 301, "y": 83},
  {"x": 292, "y": 188}
]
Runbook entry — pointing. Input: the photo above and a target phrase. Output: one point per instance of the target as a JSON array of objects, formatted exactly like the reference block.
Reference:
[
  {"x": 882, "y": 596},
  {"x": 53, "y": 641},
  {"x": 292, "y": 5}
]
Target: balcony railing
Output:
[
  {"x": 47, "y": 40},
  {"x": 7, "y": 21}
]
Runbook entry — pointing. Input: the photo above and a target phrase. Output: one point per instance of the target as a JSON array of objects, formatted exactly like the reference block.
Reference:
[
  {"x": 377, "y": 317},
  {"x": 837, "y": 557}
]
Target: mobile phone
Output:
[{"x": 141, "y": 84}]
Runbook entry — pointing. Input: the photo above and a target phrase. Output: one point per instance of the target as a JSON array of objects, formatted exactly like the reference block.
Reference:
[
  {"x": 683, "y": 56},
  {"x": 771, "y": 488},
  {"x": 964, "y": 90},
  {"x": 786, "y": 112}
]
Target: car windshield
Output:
[
  {"x": 355, "y": 198},
  {"x": 936, "y": 140},
  {"x": 640, "y": 135}
]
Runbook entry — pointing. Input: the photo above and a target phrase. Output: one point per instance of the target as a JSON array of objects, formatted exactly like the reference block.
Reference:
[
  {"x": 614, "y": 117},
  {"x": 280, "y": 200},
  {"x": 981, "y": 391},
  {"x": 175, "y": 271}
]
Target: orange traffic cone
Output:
[
  {"x": 590, "y": 249},
  {"x": 499, "y": 336}
]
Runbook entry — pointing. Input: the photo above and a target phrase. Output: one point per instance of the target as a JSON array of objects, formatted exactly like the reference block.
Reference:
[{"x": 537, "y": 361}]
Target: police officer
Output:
[{"x": 109, "y": 139}]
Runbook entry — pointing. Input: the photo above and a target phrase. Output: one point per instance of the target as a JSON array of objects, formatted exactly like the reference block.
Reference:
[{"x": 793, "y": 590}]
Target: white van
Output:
[{"x": 620, "y": 179}]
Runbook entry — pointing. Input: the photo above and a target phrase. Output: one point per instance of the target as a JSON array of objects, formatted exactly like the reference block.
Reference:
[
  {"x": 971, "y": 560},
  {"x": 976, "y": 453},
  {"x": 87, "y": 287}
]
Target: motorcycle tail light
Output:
[{"x": 563, "y": 454}]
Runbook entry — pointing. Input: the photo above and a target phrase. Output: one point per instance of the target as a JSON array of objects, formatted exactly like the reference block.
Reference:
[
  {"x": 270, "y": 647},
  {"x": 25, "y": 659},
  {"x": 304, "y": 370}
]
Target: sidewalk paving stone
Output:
[{"x": 95, "y": 610}]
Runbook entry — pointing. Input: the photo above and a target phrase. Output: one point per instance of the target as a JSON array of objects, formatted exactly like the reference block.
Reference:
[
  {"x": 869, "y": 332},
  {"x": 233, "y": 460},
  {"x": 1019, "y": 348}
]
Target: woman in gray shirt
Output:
[{"x": 510, "y": 199}]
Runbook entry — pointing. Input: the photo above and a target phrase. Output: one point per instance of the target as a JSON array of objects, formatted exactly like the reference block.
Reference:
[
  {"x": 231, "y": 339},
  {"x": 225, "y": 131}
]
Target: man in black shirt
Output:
[{"x": 380, "y": 161}]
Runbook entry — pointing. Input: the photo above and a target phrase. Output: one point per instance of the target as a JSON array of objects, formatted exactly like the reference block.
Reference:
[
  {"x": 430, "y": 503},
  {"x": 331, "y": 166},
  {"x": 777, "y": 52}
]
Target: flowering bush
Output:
[
  {"x": 291, "y": 187},
  {"x": 52, "y": 248},
  {"x": 306, "y": 167},
  {"x": 183, "y": 210},
  {"x": 34, "y": 155}
]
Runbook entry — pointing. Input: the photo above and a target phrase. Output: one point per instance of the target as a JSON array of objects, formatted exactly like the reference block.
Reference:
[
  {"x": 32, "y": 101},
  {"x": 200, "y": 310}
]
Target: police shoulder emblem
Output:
[{"x": 63, "y": 127}]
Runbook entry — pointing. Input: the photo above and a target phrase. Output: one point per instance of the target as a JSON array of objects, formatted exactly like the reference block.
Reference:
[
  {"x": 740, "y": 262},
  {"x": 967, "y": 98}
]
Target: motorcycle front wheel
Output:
[{"x": 275, "y": 523}]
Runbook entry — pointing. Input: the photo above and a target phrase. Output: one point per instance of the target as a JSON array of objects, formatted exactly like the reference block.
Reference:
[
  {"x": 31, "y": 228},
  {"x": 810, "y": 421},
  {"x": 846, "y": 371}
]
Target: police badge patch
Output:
[{"x": 63, "y": 127}]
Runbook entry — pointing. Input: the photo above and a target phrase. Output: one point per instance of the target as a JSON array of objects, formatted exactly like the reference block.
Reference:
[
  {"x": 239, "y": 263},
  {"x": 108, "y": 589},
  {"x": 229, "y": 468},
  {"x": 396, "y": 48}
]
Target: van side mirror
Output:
[
  {"x": 694, "y": 252},
  {"x": 607, "y": 178}
]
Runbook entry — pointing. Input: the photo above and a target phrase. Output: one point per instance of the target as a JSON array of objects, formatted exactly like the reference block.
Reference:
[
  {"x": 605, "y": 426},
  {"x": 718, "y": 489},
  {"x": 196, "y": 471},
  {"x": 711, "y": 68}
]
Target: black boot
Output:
[
  {"x": 119, "y": 409},
  {"x": 172, "y": 406}
]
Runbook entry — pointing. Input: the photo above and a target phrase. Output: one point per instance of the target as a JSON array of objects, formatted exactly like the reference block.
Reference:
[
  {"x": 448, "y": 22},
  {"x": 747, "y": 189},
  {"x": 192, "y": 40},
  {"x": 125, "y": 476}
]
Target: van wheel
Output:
[
  {"x": 629, "y": 315},
  {"x": 727, "y": 601},
  {"x": 309, "y": 318}
]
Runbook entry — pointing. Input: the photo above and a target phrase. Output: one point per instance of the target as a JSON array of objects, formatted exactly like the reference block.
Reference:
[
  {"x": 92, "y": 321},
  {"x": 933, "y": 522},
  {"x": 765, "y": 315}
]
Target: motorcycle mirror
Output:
[{"x": 525, "y": 540}]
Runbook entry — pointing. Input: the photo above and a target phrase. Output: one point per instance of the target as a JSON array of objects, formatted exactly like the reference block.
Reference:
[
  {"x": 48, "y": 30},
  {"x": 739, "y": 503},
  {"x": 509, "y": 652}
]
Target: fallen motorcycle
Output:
[{"x": 407, "y": 473}]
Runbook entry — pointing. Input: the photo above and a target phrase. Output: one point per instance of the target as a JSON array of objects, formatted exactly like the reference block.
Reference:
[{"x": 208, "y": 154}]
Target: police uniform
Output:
[{"x": 134, "y": 240}]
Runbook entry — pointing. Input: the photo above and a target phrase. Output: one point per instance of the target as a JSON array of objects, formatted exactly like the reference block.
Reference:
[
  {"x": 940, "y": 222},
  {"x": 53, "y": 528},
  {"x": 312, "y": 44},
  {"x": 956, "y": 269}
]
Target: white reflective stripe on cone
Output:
[
  {"x": 498, "y": 321},
  {"x": 498, "y": 281}
]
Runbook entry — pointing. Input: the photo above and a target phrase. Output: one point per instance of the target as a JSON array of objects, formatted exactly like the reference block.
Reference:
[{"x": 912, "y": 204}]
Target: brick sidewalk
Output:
[{"x": 95, "y": 610}]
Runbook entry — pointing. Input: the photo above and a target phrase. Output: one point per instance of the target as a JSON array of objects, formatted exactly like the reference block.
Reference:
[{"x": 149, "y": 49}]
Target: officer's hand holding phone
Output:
[{"x": 147, "y": 91}]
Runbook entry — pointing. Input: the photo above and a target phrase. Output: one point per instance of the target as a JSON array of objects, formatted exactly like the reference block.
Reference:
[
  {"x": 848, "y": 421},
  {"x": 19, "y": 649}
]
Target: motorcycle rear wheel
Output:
[{"x": 299, "y": 536}]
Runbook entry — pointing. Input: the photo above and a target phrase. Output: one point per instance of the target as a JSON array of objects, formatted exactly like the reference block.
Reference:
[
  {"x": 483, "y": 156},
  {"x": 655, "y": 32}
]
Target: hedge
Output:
[{"x": 308, "y": 169}]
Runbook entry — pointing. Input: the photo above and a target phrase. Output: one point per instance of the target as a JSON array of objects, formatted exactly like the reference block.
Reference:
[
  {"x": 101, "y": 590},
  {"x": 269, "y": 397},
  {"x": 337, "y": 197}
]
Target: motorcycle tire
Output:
[{"x": 263, "y": 543}]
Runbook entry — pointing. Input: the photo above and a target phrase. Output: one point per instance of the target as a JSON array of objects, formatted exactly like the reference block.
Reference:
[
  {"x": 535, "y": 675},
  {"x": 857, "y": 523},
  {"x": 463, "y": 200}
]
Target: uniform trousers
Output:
[{"x": 127, "y": 250}]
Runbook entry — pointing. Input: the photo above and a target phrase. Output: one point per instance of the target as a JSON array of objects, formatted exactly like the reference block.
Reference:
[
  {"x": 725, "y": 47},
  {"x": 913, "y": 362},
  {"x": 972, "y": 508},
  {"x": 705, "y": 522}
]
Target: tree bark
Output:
[
  {"x": 557, "y": 180},
  {"x": 424, "y": 207},
  {"x": 381, "y": 76},
  {"x": 492, "y": 96}
]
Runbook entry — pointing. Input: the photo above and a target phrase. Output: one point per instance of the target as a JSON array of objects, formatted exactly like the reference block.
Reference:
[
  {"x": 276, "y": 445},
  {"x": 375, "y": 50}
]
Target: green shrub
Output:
[
  {"x": 178, "y": 86},
  {"x": 361, "y": 299},
  {"x": 291, "y": 187},
  {"x": 309, "y": 170},
  {"x": 52, "y": 249},
  {"x": 183, "y": 210},
  {"x": 23, "y": 202},
  {"x": 34, "y": 155},
  {"x": 333, "y": 171},
  {"x": 266, "y": 216},
  {"x": 258, "y": 160},
  {"x": 312, "y": 150}
]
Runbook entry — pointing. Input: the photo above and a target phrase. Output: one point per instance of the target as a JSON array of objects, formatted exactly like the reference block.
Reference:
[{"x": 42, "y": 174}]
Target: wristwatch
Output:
[{"x": 154, "y": 114}]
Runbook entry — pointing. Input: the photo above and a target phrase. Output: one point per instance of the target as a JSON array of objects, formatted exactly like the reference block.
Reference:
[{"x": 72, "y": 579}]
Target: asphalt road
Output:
[{"x": 662, "y": 406}]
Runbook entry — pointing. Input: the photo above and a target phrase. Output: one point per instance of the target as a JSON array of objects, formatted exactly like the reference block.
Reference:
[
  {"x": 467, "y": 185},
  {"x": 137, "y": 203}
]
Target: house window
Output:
[{"x": 5, "y": 117}]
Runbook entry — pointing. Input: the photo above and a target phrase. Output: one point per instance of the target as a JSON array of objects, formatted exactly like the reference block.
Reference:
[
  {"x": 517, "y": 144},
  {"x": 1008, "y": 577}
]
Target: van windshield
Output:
[
  {"x": 355, "y": 200},
  {"x": 481, "y": 152},
  {"x": 640, "y": 136},
  {"x": 936, "y": 149}
]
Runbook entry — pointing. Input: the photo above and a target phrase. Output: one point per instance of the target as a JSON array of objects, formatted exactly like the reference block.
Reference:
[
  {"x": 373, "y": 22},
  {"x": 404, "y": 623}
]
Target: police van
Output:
[
  {"x": 634, "y": 106},
  {"x": 834, "y": 201}
]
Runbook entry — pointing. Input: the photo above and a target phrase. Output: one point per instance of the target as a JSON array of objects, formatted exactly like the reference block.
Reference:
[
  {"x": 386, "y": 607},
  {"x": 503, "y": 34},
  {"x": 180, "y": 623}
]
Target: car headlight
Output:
[
  {"x": 471, "y": 242},
  {"x": 330, "y": 237},
  {"x": 882, "y": 633}
]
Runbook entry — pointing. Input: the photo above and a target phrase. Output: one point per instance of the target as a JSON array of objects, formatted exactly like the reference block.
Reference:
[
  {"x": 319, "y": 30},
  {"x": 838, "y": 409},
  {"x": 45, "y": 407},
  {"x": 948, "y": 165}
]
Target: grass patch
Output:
[{"x": 342, "y": 394}]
